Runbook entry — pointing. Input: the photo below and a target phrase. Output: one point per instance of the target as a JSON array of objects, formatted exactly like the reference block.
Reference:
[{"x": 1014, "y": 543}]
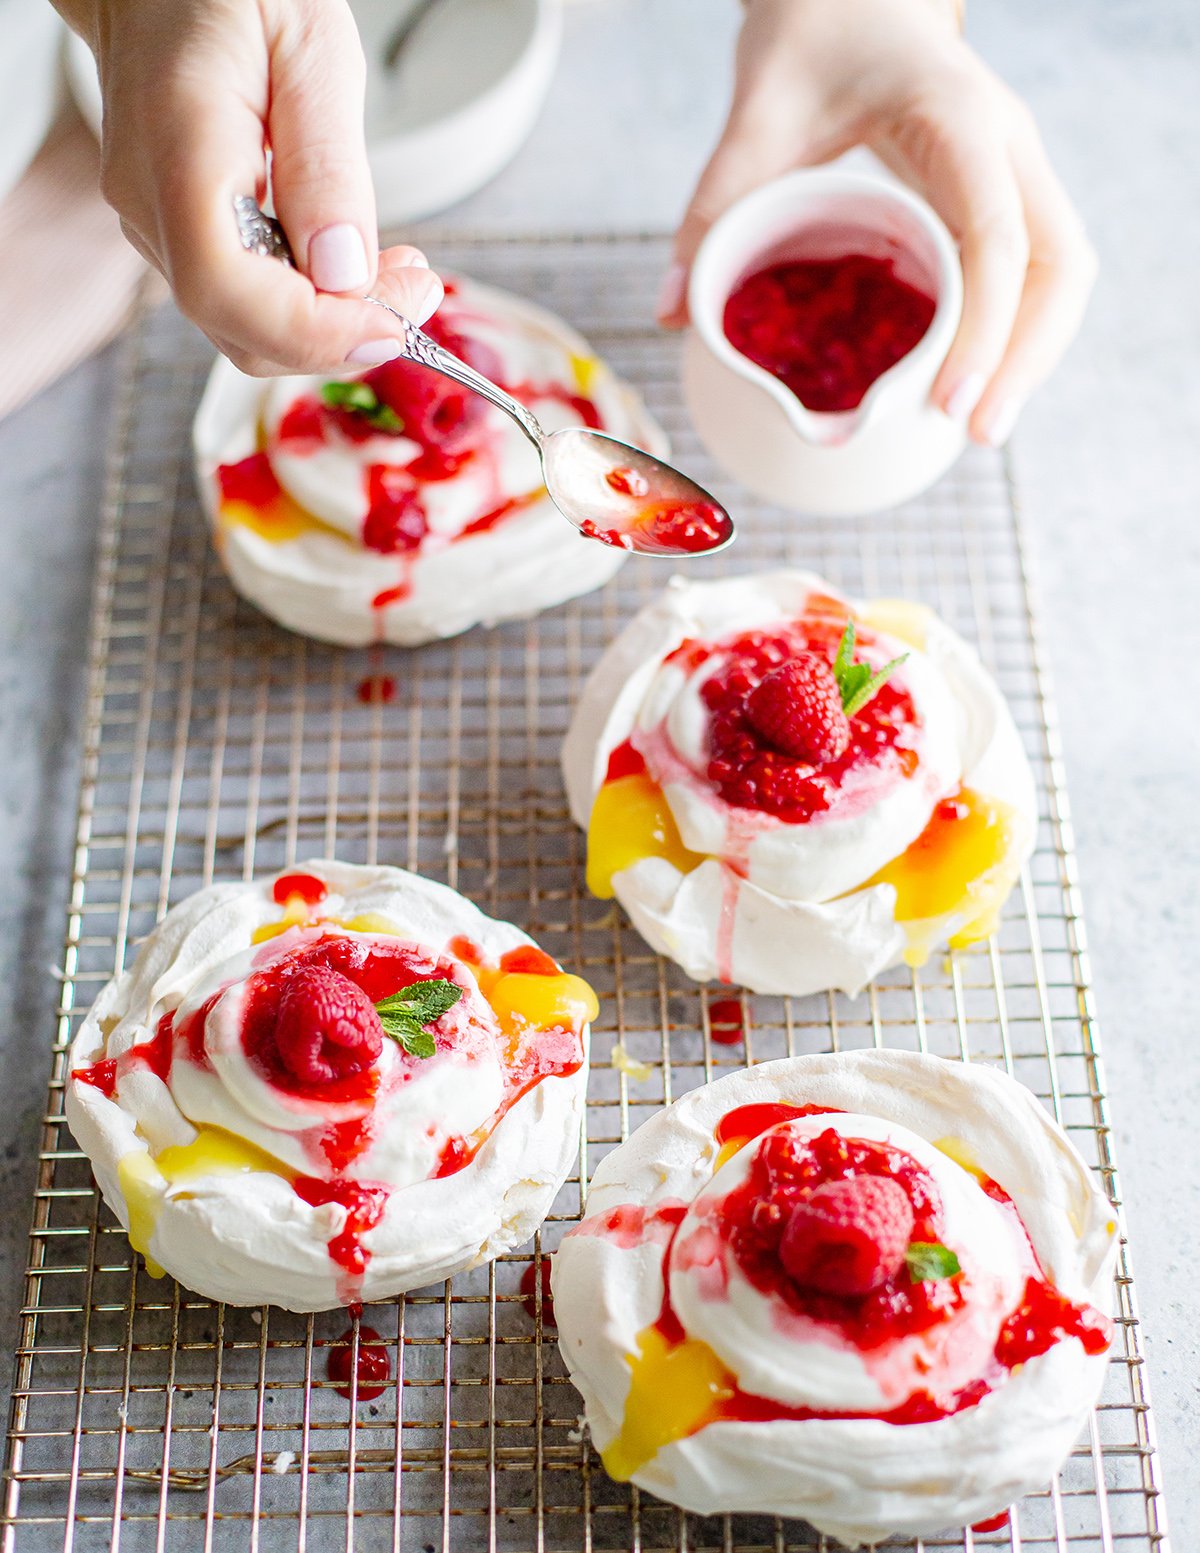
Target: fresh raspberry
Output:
[
  {"x": 327, "y": 1028},
  {"x": 395, "y": 519},
  {"x": 798, "y": 708},
  {"x": 847, "y": 1237},
  {"x": 436, "y": 411}
]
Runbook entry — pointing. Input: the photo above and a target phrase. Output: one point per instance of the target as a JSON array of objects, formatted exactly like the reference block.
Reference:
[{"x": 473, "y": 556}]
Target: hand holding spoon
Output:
[{"x": 608, "y": 489}]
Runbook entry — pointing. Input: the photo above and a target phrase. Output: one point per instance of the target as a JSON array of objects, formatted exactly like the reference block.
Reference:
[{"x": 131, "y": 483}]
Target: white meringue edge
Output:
[
  {"x": 854, "y": 1479},
  {"x": 248, "y": 1239},
  {"x": 779, "y": 946}
]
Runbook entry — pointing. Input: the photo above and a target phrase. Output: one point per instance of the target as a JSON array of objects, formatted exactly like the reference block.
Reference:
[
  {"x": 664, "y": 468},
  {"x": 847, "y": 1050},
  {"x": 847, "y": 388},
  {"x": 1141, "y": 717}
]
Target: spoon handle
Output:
[
  {"x": 262, "y": 234},
  {"x": 417, "y": 346}
]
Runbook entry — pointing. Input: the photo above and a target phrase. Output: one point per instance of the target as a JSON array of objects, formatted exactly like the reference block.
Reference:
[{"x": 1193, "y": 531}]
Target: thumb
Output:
[
  {"x": 744, "y": 158},
  {"x": 319, "y": 175}
]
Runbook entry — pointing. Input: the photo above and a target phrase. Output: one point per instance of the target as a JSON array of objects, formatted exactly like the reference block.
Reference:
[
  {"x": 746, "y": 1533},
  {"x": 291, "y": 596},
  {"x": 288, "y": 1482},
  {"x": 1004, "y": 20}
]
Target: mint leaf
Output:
[
  {"x": 361, "y": 399},
  {"x": 928, "y": 1260},
  {"x": 855, "y": 680},
  {"x": 405, "y": 1014}
]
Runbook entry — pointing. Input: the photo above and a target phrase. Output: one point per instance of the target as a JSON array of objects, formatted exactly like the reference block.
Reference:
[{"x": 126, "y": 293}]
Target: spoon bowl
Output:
[{"x": 626, "y": 497}]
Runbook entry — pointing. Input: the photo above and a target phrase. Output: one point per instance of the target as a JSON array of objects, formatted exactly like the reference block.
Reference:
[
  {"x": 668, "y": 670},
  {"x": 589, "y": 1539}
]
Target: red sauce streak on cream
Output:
[
  {"x": 369, "y": 1378},
  {"x": 467, "y": 949},
  {"x": 375, "y": 688},
  {"x": 303, "y": 425},
  {"x": 529, "y": 1284},
  {"x": 396, "y": 595},
  {"x": 624, "y": 761},
  {"x": 726, "y": 1021},
  {"x": 528, "y": 960},
  {"x": 497, "y": 515},
  {"x": 827, "y": 328},
  {"x": 364, "y": 1203},
  {"x": 100, "y": 1075},
  {"x": 311, "y": 890},
  {"x": 745, "y": 1122},
  {"x": 251, "y": 480}
]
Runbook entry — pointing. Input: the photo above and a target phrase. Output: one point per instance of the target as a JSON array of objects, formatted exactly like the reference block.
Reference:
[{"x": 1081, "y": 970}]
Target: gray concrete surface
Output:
[{"x": 1108, "y": 459}]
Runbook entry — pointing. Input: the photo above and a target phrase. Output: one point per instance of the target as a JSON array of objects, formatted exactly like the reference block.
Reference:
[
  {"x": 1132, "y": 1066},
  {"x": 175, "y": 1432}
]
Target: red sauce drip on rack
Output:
[
  {"x": 827, "y": 328},
  {"x": 529, "y": 1283},
  {"x": 726, "y": 1021},
  {"x": 377, "y": 688},
  {"x": 367, "y": 1379}
]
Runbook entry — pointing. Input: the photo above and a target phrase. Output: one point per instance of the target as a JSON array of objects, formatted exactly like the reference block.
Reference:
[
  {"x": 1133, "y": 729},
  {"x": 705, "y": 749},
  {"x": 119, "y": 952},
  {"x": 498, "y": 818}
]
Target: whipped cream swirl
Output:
[
  {"x": 252, "y": 1186},
  {"x": 710, "y": 1389}
]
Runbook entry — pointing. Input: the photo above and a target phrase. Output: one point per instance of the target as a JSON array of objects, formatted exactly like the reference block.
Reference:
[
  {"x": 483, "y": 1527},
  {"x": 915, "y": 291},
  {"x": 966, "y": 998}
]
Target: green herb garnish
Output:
[
  {"x": 405, "y": 1014},
  {"x": 929, "y": 1259},
  {"x": 855, "y": 680},
  {"x": 361, "y": 399}
]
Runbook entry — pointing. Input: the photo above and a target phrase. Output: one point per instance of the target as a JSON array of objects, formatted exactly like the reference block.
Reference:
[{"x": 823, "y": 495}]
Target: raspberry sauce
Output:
[
  {"x": 726, "y": 1021},
  {"x": 827, "y": 328},
  {"x": 251, "y": 481},
  {"x": 311, "y": 890},
  {"x": 751, "y": 773},
  {"x": 367, "y": 1379},
  {"x": 668, "y": 527},
  {"x": 376, "y": 688},
  {"x": 364, "y": 1204},
  {"x": 529, "y": 1284}
]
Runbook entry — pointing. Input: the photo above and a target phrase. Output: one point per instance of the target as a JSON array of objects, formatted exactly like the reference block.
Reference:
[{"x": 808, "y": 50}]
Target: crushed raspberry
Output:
[
  {"x": 1043, "y": 1318},
  {"x": 749, "y": 771},
  {"x": 848, "y": 1237},
  {"x": 798, "y": 708},
  {"x": 395, "y": 519},
  {"x": 436, "y": 411},
  {"x": 788, "y": 1171},
  {"x": 827, "y": 328},
  {"x": 327, "y": 1028},
  {"x": 682, "y": 525},
  {"x": 251, "y": 480},
  {"x": 628, "y": 482}
]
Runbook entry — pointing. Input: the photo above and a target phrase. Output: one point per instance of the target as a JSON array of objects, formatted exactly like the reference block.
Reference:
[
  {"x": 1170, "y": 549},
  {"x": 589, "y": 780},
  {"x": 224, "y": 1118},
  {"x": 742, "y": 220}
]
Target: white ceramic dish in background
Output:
[
  {"x": 896, "y": 443},
  {"x": 29, "y": 94},
  {"x": 461, "y": 101},
  {"x": 457, "y": 108}
]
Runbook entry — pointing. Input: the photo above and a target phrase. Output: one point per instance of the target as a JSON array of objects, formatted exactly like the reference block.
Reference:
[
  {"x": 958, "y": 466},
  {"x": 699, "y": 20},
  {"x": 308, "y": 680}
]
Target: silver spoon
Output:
[{"x": 607, "y": 488}]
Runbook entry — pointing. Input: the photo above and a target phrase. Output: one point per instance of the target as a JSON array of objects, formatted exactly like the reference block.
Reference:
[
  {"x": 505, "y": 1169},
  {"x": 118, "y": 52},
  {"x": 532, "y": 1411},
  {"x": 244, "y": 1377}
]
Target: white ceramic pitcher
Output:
[{"x": 895, "y": 443}]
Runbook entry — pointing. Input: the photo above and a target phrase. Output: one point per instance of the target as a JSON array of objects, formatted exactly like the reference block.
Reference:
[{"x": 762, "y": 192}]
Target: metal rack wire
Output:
[{"x": 217, "y": 745}]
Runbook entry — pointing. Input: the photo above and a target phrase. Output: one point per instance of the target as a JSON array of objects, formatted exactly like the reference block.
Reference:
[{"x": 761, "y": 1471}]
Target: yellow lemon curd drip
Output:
[
  {"x": 900, "y": 618},
  {"x": 631, "y": 819},
  {"x": 962, "y": 1154},
  {"x": 585, "y": 370},
  {"x": 144, "y": 1179},
  {"x": 963, "y": 863},
  {"x": 674, "y": 1390},
  {"x": 282, "y": 520},
  {"x": 524, "y": 1000}
]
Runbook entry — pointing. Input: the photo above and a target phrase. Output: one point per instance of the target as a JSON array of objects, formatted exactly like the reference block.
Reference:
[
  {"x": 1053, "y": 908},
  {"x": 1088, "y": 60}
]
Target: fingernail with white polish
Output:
[
  {"x": 425, "y": 293},
  {"x": 999, "y": 428},
  {"x": 337, "y": 258},
  {"x": 672, "y": 291},
  {"x": 965, "y": 397},
  {"x": 371, "y": 352}
]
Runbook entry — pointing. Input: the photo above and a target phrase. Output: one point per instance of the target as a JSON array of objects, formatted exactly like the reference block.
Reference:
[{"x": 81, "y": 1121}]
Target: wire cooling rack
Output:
[{"x": 217, "y": 745}]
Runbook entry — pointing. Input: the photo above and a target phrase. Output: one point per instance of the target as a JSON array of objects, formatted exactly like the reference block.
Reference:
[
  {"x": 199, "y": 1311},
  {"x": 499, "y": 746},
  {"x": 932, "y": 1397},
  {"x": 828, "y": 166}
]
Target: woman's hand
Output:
[
  {"x": 815, "y": 78},
  {"x": 195, "y": 91}
]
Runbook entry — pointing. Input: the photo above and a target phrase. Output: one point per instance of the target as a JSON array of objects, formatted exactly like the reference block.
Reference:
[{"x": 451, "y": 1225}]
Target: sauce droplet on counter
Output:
[
  {"x": 529, "y": 1284},
  {"x": 726, "y": 1021},
  {"x": 377, "y": 689}
]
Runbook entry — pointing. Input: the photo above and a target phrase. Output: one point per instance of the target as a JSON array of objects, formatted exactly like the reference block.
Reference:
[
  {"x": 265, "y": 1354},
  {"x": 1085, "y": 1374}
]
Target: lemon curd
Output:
[
  {"x": 964, "y": 863},
  {"x": 675, "y": 1389},
  {"x": 145, "y": 1180},
  {"x": 630, "y": 820}
]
